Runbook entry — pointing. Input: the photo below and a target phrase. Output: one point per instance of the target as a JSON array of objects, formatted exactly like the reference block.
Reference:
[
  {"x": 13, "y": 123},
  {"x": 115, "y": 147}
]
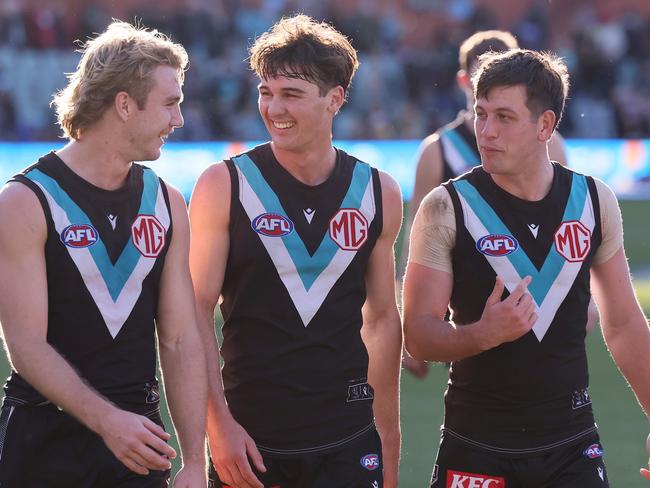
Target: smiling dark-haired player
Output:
[{"x": 297, "y": 237}]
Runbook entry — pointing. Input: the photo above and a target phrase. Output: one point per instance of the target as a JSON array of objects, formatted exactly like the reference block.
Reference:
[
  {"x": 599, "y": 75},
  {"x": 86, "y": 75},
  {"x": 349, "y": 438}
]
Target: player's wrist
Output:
[
  {"x": 98, "y": 418},
  {"x": 481, "y": 335}
]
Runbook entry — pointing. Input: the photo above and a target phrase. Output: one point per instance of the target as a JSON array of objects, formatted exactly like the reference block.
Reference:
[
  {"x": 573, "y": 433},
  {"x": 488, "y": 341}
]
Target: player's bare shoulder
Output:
[
  {"x": 20, "y": 206},
  {"x": 210, "y": 201},
  {"x": 437, "y": 207}
]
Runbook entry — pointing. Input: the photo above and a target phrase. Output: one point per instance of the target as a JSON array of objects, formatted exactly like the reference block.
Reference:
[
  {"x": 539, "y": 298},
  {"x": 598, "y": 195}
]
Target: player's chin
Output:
[
  {"x": 489, "y": 166},
  {"x": 151, "y": 154}
]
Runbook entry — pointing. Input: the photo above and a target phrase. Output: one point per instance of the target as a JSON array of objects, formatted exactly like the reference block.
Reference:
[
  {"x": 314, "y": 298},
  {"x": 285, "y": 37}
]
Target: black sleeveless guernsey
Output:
[
  {"x": 104, "y": 257},
  {"x": 295, "y": 367},
  {"x": 530, "y": 394},
  {"x": 458, "y": 148}
]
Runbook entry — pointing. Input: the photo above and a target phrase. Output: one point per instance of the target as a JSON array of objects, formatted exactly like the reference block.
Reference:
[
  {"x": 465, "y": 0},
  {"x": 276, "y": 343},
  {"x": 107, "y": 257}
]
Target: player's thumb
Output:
[
  {"x": 495, "y": 296},
  {"x": 255, "y": 456}
]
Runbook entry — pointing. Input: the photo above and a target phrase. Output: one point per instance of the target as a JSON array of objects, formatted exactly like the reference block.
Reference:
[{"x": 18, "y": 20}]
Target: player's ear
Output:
[
  {"x": 546, "y": 125},
  {"x": 123, "y": 105},
  {"x": 336, "y": 99}
]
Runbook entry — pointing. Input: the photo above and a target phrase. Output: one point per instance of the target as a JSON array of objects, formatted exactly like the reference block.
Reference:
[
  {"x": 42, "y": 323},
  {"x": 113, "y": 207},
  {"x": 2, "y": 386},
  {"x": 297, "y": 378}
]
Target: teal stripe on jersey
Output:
[
  {"x": 308, "y": 267},
  {"x": 542, "y": 279},
  {"x": 115, "y": 276},
  {"x": 466, "y": 152}
]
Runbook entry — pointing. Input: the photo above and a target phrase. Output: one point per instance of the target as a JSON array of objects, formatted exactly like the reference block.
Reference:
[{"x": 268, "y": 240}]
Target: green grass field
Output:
[{"x": 623, "y": 427}]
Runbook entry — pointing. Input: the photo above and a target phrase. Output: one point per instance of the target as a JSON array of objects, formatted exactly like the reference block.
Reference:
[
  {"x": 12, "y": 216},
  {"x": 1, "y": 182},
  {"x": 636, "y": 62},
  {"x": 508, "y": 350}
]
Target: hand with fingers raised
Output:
[{"x": 509, "y": 319}]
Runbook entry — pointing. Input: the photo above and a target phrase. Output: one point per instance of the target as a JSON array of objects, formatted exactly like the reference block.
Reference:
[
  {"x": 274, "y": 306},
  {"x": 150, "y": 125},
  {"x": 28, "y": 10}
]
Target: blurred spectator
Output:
[{"x": 404, "y": 89}]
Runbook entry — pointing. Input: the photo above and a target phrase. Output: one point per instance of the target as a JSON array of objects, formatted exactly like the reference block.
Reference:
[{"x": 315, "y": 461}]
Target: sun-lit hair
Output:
[
  {"x": 300, "y": 47},
  {"x": 482, "y": 42},
  {"x": 122, "y": 58},
  {"x": 544, "y": 75}
]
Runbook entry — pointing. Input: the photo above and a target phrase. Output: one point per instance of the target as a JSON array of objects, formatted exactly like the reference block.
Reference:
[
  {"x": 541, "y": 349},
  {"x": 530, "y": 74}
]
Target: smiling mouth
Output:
[{"x": 283, "y": 125}]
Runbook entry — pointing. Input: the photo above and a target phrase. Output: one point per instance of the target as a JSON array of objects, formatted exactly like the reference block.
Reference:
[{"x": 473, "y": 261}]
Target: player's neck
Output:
[
  {"x": 311, "y": 167},
  {"x": 95, "y": 159},
  {"x": 532, "y": 183}
]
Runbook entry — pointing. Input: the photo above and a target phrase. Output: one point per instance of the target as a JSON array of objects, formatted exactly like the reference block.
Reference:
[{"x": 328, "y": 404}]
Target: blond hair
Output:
[{"x": 122, "y": 58}]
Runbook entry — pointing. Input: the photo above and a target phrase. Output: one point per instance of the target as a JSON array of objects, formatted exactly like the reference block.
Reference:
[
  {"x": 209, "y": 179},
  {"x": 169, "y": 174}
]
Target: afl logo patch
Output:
[
  {"x": 594, "y": 451},
  {"x": 370, "y": 461},
  {"x": 79, "y": 235},
  {"x": 272, "y": 225},
  {"x": 148, "y": 235},
  {"x": 497, "y": 245}
]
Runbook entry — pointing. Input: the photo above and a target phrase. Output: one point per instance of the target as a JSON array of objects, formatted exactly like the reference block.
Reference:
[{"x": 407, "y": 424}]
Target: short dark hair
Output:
[
  {"x": 483, "y": 42},
  {"x": 300, "y": 47},
  {"x": 544, "y": 75}
]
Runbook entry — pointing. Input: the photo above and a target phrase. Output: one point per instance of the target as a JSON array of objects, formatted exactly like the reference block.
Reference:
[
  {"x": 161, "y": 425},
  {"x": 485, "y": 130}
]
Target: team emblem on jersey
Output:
[
  {"x": 79, "y": 235},
  {"x": 497, "y": 245},
  {"x": 272, "y": 225},
  {"x": 349, "y": 229},
  {"x": 370, "y": 461},
  {"x": 459, "y": 479},
  {"x": 148, "y": 235},
  {"x": 594, "y": 451},
  {"x": 573, "y": 241}
]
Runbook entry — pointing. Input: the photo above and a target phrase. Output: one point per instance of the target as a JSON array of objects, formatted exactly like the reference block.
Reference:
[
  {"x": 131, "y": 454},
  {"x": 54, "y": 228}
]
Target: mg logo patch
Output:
[
  {"x": 349, "y": 229},
  {"x": 370, "y": 461},
  {"x": 148, "y": 235},
  {"x": 272, "y": 225},
  {"x": 497, "y": 245},
  {"x": 79, "y": 235},
  {"x": 573, "y": 241},
  {"x": 458, "y": 479}
]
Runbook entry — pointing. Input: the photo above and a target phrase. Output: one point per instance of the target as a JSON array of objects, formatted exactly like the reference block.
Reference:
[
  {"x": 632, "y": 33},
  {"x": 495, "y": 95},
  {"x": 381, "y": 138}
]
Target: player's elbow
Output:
[{"x": 411, "y": 341}]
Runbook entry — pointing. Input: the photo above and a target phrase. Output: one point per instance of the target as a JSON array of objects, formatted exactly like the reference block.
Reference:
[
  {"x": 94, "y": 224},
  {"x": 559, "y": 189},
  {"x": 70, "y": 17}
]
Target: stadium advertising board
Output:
[{"x": 622, "y": 164}]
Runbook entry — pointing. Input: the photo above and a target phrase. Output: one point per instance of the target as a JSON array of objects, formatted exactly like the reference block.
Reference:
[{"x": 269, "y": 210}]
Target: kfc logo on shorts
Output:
[
  {"x": 272, "y": 225},
  {"x": 497, "y": 245},
  {"x": 349, "y": 229},
  {"x": 370, "y": 461},
  {"x": 79, "y": 235},
  {"x": 458, "y": 479},
  {"x": 594, "y": 451},
  {"x": 148, "y": 235},
  {"x": 573, "y": 241}
]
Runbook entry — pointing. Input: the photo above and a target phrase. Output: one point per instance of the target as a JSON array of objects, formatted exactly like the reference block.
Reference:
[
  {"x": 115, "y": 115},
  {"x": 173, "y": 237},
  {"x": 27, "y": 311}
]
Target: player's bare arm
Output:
[
  {"x": 624, "y": 326},
  {"x": 181, "y": 351},
  {"x": 427, "y": 291},
  {"x": 135, "y": 440},
  {"x": 382, "y": 333},
  {"x": 232, "y": 449}
]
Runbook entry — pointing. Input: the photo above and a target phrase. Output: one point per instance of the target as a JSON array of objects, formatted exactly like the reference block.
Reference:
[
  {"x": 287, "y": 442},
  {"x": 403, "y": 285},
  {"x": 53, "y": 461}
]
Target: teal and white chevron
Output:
[
  {"x": 460, "y": 156},
  {"x": 551, "y": 284},
  {"x": 308, "y": 279},
  {"x": 114, "y": 288}
]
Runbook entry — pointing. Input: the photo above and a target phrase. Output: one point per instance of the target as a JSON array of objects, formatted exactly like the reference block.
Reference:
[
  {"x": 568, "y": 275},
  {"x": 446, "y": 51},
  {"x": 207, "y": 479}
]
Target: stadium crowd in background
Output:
[{"x": 407, "y": 51}]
